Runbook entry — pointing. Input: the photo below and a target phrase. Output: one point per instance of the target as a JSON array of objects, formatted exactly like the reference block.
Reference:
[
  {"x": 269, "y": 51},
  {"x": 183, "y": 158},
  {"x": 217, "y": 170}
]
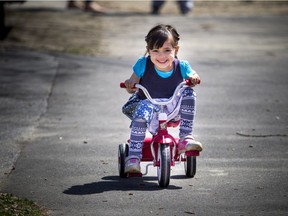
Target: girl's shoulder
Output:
[
  {"x": 184, "y": 63},
  {"x": 142, "y": 60},
  {"x": 185, "y": 69},
  {"x": 140, "y": 66},
  {"x": 184, "y": 66}
]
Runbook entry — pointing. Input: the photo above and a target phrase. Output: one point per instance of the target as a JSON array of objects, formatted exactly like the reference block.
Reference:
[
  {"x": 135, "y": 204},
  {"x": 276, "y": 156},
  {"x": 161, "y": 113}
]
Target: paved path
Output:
[{"x": 61, "y": 123}]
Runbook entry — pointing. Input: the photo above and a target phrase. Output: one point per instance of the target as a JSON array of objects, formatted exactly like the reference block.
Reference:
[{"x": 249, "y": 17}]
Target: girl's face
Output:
[{"x": 163, "y": 57}]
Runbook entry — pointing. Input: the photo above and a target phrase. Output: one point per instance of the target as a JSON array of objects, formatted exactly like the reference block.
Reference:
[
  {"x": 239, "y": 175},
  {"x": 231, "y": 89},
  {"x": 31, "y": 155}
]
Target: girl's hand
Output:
[
  {"x": 195, "y": 79},
  {"x": 130, "y": 83}
]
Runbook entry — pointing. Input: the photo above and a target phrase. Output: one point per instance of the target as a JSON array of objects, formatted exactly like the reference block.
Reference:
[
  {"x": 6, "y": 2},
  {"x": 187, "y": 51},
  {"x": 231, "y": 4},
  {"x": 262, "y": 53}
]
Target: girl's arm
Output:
[
  {"x": 189, "y": 73},
  {"x": 129, "y": 83}
]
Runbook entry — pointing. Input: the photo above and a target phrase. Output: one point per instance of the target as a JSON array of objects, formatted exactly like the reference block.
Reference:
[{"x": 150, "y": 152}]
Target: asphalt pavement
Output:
[{"x": 61, "y": 124}]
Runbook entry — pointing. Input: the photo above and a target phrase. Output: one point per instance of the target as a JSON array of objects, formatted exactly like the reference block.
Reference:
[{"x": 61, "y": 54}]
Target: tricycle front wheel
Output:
[{"x": 163, "y": 170}]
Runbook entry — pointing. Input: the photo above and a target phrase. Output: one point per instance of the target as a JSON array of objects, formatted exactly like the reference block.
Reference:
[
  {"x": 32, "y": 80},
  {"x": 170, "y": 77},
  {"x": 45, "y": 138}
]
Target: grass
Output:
[{"x": 12, "y": 206}]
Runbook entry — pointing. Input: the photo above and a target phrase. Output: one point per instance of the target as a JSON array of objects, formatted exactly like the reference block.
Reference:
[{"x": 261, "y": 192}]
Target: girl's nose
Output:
[{"x": 160, "y": 53}]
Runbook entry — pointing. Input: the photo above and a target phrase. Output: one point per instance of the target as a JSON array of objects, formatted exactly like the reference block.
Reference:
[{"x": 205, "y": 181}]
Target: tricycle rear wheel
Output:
[
  {"x": 190, "y": 166},
  {"x": 122, "y": 154}
]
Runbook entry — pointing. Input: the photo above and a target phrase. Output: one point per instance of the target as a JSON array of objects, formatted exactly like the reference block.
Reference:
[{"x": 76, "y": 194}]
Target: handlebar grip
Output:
[
  {"x": 122, "y": 85},
  {"x": 188, "y": 82}
]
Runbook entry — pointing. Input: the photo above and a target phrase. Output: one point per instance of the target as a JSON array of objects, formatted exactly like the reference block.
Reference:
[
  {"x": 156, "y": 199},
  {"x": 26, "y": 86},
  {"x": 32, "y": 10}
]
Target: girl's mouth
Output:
[{"x": 162, "y": 62}]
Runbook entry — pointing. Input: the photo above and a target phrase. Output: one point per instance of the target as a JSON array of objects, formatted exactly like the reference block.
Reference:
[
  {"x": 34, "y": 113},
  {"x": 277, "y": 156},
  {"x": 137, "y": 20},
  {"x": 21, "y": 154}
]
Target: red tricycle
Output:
[{"x": 162, "y": 148}]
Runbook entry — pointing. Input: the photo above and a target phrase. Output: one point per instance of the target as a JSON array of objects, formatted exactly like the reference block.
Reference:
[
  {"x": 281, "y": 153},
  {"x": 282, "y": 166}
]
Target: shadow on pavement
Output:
[{"x": 115, "y": 183}]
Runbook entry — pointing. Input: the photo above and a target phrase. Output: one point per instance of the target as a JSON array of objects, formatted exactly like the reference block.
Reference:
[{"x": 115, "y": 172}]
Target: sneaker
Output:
[
  {"x": 189, "y": 144},
  {"x": 132, "y": 164}
]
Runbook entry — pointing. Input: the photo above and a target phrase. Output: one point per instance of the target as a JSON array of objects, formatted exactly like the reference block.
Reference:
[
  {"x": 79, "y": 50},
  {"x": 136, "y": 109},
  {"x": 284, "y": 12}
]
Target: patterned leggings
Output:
[{"x": 141, "y": 113}]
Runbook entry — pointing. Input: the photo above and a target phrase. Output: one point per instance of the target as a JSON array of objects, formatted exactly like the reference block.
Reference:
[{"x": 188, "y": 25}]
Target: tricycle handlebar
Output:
[{"x": 184, "y": 83}]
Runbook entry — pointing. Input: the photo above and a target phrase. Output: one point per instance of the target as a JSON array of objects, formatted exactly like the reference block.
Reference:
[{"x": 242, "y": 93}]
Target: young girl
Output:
[{"x": 160, "y": 72}]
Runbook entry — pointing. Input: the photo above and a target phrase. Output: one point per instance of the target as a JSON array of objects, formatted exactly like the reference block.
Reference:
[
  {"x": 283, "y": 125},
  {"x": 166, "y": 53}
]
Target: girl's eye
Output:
[
  {"x": 168, "y": 51},
  {"x": 155, "y": 51}
]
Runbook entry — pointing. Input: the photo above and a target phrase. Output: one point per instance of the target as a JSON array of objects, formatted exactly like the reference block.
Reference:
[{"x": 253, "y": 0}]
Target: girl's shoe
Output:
[
  {"x": 132, "y": 164},
  {"x": 189, "y": 144}
]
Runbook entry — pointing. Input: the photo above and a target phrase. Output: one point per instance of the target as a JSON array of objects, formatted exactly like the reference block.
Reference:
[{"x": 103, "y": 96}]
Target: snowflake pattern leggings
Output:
[{"x": 141, "y": 113}]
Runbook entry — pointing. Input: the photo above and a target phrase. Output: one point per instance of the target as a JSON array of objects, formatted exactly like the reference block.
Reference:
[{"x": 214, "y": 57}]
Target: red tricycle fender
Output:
[{"x": 164, "y": 139}]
